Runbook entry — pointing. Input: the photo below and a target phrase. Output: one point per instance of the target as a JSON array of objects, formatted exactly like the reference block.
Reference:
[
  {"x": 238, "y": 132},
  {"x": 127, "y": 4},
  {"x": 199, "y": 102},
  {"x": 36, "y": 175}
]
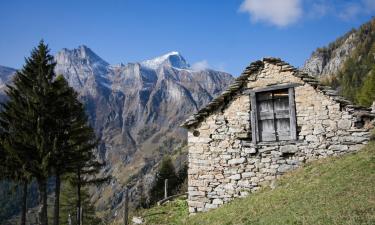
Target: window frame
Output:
[{"x": 255, "y": 112}]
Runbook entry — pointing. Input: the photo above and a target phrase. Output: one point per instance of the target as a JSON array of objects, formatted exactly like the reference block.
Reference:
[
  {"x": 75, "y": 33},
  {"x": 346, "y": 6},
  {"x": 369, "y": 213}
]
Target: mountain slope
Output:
[
  {"x": 6, "y": 75},
  {"x": 328, "y": 60},
  {"x": 348, "y": 64},
  {"x": 336, "y": 190}
]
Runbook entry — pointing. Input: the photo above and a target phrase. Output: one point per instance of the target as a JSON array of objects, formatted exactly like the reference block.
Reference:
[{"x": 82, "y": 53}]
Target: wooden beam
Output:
[
  {"x": 292, "y": 112},
  {"x": 275, "y": 87}
]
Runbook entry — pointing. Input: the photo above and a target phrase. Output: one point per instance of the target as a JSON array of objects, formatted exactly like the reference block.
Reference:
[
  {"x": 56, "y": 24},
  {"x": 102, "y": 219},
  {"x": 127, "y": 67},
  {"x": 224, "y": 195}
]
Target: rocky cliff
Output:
[{"x": 328, "y": 60}]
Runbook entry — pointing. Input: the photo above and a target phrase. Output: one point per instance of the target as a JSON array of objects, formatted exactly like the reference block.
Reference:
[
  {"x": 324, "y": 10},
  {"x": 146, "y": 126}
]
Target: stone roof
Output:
[{"x": 256, "y": 66}]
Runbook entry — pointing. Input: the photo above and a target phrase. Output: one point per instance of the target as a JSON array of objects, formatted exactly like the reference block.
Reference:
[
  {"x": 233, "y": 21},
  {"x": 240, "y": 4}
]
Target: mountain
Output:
[
  {"x": 6, "y": 75},
  {"x": 348, "y": 64},
  {"x": 135, "y": 109},
  {"x": 328, "y": 60},
  {"x": 173, "y": 59}
]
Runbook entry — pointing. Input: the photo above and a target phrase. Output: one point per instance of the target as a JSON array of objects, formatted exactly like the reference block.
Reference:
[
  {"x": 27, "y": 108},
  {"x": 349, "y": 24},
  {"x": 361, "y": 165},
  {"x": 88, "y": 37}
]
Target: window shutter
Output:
[
  {"x": 282, "y": 114},
  {"x": 282, "y": 118},
  {"x": 273, "y": 114},
  {"x": 266, "y": 117}
]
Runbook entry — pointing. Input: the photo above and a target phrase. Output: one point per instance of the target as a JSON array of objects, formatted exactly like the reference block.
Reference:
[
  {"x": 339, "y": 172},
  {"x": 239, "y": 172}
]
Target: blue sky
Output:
[{"x": 221, "y": 34}]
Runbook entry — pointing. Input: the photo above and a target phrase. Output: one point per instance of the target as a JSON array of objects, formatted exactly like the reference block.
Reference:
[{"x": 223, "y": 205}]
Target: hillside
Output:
[
  {"x": 330, "y": 191},
  {"x": 348, "y": 64}
]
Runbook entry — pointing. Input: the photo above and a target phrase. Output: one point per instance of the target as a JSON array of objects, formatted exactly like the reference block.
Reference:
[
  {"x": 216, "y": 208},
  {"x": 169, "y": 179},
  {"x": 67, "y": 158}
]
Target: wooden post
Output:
[
  {"x": 126, "y": 207},
  {"x": 166, "y": 188},
  {"x": 69, "y": 219},
  {"x": 81, "y": 215},
  {"x": 78, "y": 216}
]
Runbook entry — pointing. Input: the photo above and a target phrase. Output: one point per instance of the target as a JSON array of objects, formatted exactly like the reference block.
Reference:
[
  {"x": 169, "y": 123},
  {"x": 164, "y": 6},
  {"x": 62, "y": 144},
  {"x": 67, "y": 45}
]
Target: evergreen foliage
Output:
[
  {"x": 27, "y": 123},
  {"x": 366, "y": 94},
  {"x": 45, "y": 132},
  {"x": 182, "y": 179},
  {"x": 166, "y": 171},
  {"x": 68, "y": 206},
  {"x": 355, "y": 78}
]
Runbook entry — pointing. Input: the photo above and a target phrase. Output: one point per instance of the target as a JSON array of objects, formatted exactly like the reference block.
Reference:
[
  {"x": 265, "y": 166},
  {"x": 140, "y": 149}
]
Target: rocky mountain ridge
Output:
[{"x": 329, "y": 60}]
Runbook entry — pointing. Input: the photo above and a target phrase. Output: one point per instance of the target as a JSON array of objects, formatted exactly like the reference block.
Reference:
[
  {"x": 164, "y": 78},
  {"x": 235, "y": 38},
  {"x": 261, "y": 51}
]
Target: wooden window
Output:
[{"x": 273, "y": 114}]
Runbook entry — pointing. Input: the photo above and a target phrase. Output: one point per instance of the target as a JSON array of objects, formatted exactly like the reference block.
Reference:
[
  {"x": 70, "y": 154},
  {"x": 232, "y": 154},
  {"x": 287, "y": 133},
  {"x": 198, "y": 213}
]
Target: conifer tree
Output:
[
  {"x": 88, "y": 166},
  {"x": 64, "y": 111},
  {"x": 46, "y": 130},
  {"x": 166, "y": 171},
  {"x": 74, "y": 145},
  {"x": 12, "y": 170},
  {"x": 366, "y": 95},
  {"x": 83, "y": 161},
  {"x": 68, "y": 206},
  {"x": 27, "y": 122}
]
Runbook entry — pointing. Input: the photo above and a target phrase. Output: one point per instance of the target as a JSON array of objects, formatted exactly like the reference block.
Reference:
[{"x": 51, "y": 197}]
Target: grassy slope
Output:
[{"x": 337, "y": 190}]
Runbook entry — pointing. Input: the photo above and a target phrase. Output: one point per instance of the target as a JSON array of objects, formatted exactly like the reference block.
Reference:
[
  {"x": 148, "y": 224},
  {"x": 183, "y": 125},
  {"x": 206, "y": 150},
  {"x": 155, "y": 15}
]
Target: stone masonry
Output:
[{"x": 224, "y": 163}]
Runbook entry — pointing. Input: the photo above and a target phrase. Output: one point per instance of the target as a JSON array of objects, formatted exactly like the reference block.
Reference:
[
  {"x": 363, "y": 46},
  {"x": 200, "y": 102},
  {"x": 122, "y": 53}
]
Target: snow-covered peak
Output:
[{"x": 173, "y": 59}]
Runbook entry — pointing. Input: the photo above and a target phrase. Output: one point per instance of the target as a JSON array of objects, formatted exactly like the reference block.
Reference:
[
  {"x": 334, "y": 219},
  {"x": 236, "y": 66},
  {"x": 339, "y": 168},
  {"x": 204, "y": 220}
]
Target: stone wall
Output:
[{"x": 223, "y": 161}]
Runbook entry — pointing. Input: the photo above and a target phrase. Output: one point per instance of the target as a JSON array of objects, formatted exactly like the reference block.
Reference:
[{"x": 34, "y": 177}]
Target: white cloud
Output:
[
  {"x": 350, "y": 11},
  {"x": 282, "y": 13},
  {"x": 369, "y": 5},
  {"x": 276, "y": 12},
  {"x": 318, "y": 9},
  {"x": 200, "y": 65}
]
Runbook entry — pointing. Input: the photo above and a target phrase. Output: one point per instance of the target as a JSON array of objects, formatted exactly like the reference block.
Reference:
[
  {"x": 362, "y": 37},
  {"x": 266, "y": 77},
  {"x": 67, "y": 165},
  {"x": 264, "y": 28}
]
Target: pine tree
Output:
[
  {"x": 65, "y": 112},
  {"x": 11, "y": 169},
  {"x": 74, "y": 145},
  {"x": 27, "y": 122},
  {"x": 84, "y": 163},
  {"x": 68, "y": 206},
  {"x": 166, "y": 171},
  {"x": 46, "y": 130},
  {"x": 366, "y": 95}
]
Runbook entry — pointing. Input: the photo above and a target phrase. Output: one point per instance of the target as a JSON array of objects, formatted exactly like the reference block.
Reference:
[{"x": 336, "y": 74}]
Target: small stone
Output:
[
  {"x": 137, "y": 220},
  {"x": 284, "y": 168},
  {"x": 266, "y": 160},
  {"x": 236, "y": 161},
  {"x": 210, "y": 206},
  {"x": 235, "y": 177},
  {"x": 344, "y": 124},
  {"x": 288, "y": 149},
  {"x": 312, "y": 138},
  {"x": 217, "y": 201},
  {"x": 192, "y": 210},
  {"x": 254, "y": 179},
  {"x": 196, "y": 193},
  {"x": 338, "y": 147},
  {"x": 250, "y": 150},
  {"x": 248, "y": 174}
]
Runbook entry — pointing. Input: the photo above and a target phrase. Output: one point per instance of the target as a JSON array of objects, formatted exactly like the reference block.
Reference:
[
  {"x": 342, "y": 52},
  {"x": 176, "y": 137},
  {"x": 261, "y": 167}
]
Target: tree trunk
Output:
[
  {"x": 24, "y": 203},
  {"x": 78, "y": 197},
  {"x": 126, "y": 207},
  {"x": 56, "y": 208},
  {"x": 42, "y": 186}
]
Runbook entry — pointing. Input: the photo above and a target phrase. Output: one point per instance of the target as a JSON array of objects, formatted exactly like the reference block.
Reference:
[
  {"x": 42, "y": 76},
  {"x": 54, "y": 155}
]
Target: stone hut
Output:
[{"x": 272, "y": 119}]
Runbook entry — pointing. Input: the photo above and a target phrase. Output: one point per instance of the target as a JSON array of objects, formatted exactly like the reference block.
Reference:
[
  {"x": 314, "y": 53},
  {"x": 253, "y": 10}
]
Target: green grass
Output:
[
  {"x": 338, "y": 190},
  {"x": 171, "y": 213}
]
